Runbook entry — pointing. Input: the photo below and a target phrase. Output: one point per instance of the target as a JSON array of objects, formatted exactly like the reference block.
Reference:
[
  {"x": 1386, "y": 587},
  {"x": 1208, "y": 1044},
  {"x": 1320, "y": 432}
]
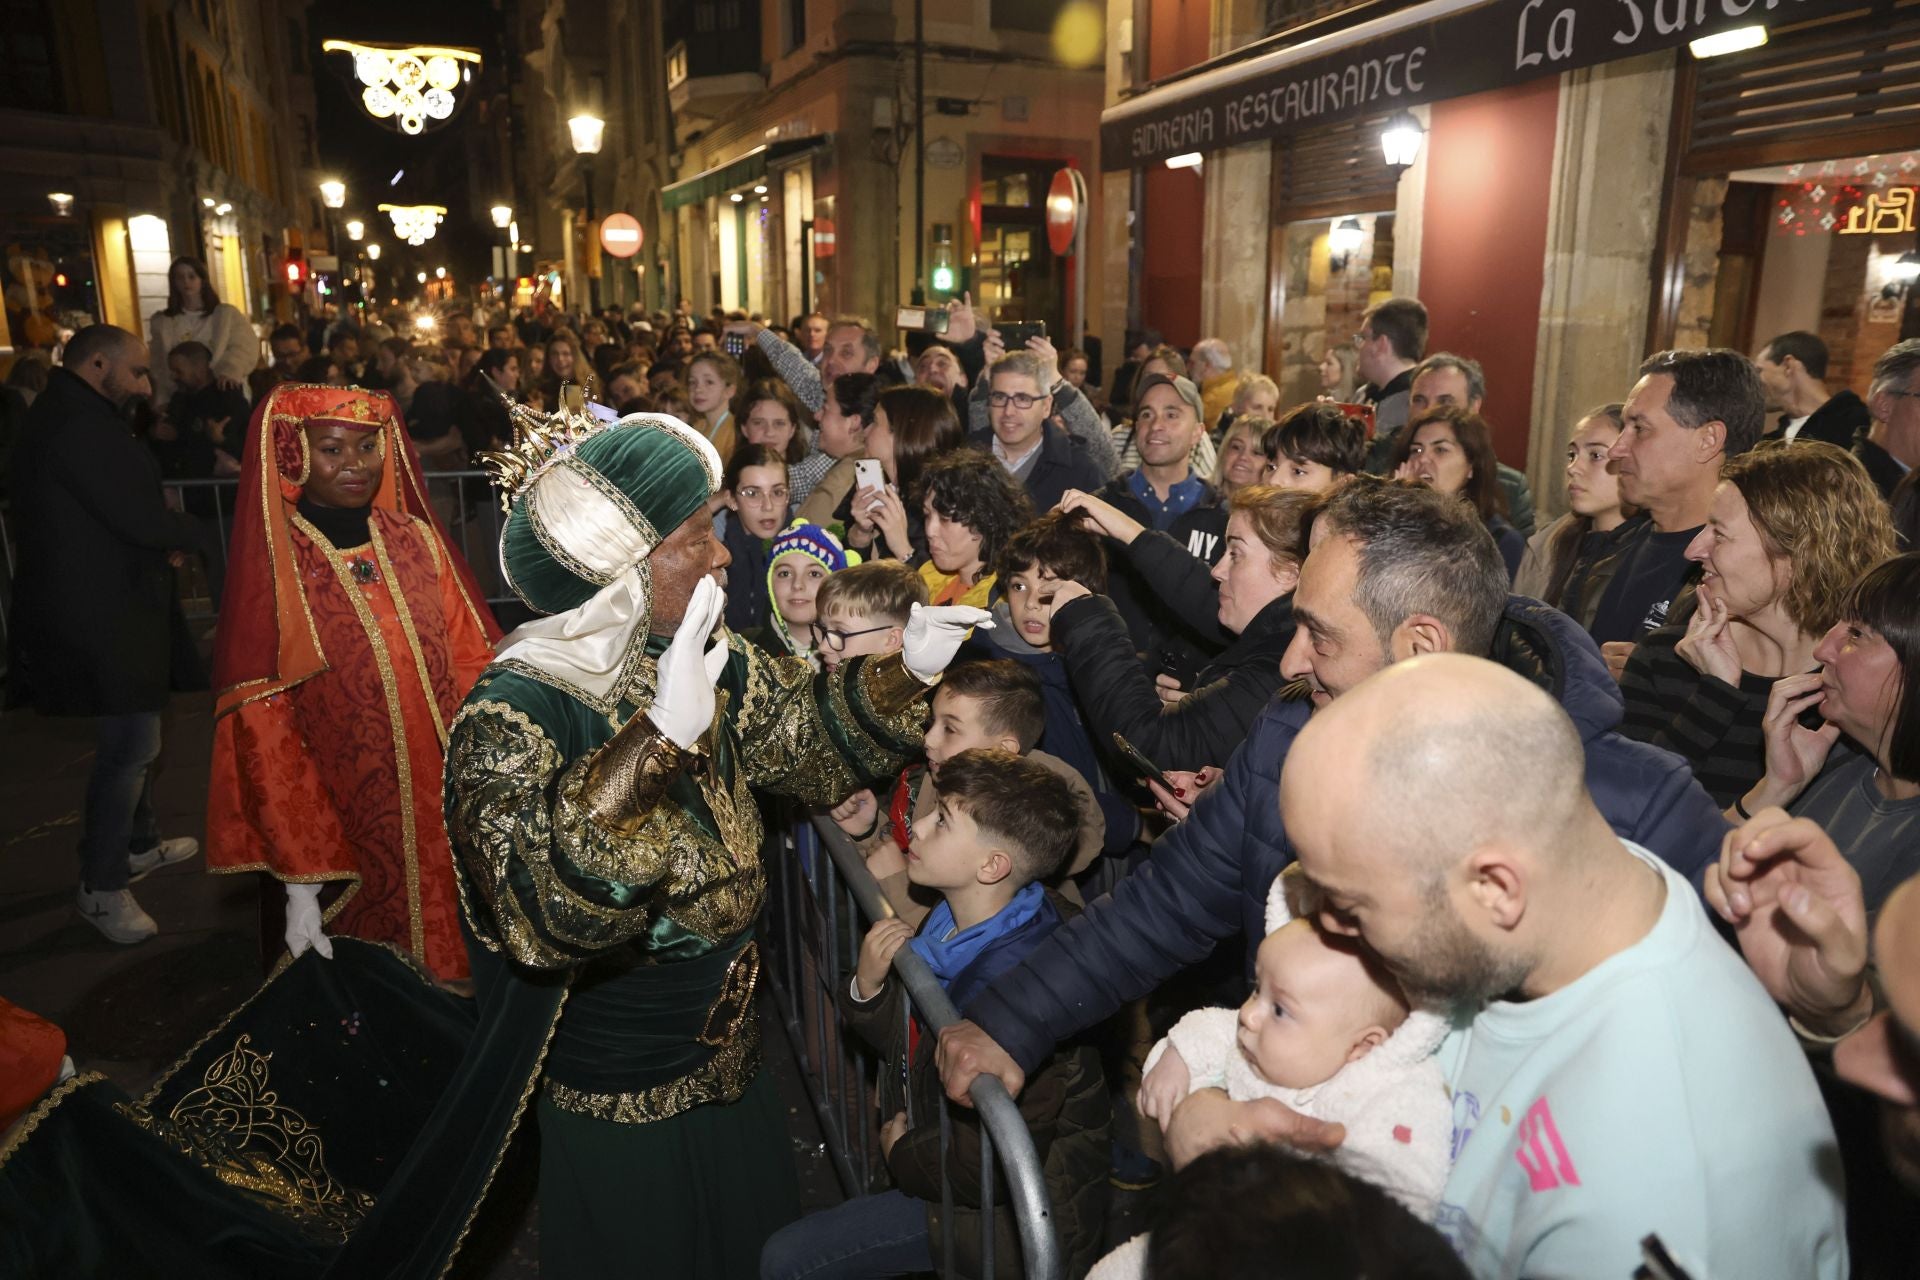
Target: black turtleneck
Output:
[{"x": 344, "y": 527}]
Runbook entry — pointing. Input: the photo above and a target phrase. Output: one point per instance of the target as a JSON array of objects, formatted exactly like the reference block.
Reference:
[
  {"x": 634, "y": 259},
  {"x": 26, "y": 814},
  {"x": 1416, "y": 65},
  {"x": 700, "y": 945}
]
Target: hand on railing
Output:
[{"x": 965, "y": 1053}]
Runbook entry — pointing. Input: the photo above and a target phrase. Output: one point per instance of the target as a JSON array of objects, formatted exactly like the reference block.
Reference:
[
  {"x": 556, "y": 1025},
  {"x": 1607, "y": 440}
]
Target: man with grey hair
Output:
[
  {"x": 1447, "y": 379},
  {"x": 1042, "y": 457},
  {"x": 1690, "y": 412},
  {"x": 1210, "y": 365},
  {"x": 1394, "y": 571},
  {"x": 851, "y": 346},
  {"x": 1890, "y": 447},
  {"x": 1440, "y": 815}
]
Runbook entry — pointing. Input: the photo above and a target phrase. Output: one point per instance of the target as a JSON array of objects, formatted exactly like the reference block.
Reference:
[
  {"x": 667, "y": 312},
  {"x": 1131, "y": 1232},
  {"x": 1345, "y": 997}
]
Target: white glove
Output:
[
  {"x": 683, "y": 701},
  {"x": 303, "y": 921},
  {"x": 934, "y": 634}
]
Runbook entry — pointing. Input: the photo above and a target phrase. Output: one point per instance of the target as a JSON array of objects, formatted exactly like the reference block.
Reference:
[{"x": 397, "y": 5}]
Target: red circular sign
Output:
[
  {"x": 1066, "y": 206},
  {"x": 621, "y": 236},
  {"x": 823, "y": 238}
]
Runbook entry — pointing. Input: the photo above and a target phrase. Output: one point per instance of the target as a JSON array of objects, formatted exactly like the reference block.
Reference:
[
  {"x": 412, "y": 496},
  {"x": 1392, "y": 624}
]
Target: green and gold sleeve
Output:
[
  {"x": 539, "y": 876},
  {"x": 816, "y": 736}
]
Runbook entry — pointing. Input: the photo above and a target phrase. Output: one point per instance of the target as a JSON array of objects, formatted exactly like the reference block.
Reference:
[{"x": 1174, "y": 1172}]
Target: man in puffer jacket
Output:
[{"x": 1394, "y": 570}]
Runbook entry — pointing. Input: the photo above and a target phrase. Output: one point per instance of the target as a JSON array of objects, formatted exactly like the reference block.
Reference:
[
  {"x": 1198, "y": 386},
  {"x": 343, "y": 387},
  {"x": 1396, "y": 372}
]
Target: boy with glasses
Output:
[{"x": 864, "y": 609}]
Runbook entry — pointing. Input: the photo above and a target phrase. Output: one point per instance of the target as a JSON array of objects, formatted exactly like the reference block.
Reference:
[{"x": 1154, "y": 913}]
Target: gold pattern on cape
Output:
[
  {"x": 723, "y": 1078},
  {"x": 232, "y": 1123},
  {"x": 538, "y": 439},
  {"x": 734, "y": 1005}
]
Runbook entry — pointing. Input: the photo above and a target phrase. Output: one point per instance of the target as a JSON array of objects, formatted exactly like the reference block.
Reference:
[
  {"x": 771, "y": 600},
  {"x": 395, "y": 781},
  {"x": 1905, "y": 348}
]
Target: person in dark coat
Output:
[
  {"x": 1207, "y": 879},
  {"x": 1246, "y": 597},
  {"x": 1040, "y": 455},
  {"x": 1793, "y": 369},
  {"x": 97, "y": 629},
  {"x": 1167, "y": 495}
]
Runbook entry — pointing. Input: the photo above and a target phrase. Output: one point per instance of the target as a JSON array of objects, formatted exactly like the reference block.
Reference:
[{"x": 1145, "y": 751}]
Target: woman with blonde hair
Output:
[
  {"x": 1790, "y": 529},
  {"x": 1336, "y": 373},
  {"x": 1243, "y": 459},
  {"x": 1244, "y": 604},
  {"x": 713, "y": 380}
]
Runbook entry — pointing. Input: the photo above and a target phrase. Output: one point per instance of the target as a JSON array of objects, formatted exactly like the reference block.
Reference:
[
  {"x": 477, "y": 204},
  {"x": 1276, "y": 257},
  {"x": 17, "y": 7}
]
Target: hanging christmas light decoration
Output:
[
  {"x": 415, "y": 223},
  {"x": 411, "y": 88}
]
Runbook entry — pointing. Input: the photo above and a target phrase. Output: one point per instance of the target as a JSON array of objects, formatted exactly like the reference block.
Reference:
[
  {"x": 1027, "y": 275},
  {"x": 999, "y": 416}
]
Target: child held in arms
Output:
[
  {"x": 978, "y": 704},
  {"x": 864, "y": 609},
  {"x": 1328, "y": 1033},
  {"x": 1002, "y": 826},
  {"x": 797, "y": 563}
]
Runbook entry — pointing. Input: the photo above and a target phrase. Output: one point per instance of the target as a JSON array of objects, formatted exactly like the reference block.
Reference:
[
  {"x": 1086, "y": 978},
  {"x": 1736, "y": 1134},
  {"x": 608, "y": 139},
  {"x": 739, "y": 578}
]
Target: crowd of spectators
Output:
[{"x": 1548, "y": 776}]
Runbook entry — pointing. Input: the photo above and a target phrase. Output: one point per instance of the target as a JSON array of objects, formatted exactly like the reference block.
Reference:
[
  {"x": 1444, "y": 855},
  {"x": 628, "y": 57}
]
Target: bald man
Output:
[
  {"x": 1616, "y": 1071},
  {"x": 1393, "y": 571}
]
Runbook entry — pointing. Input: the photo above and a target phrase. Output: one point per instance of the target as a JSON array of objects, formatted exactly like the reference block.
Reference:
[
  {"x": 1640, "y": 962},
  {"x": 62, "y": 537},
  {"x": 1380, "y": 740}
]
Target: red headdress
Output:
[{"x": 266, "y": 641}]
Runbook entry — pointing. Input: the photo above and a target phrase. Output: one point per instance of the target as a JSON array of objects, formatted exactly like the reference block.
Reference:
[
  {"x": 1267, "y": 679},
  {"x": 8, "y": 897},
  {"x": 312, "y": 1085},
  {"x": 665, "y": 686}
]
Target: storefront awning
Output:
[
  {"x": 737, "y": 172},
  {"x": 1426, "y": 52}
]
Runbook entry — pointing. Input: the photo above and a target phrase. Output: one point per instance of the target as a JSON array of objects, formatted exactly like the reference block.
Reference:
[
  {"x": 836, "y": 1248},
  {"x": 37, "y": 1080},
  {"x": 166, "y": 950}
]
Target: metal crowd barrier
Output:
[
  {"x": 466, "y": 501},
  {"x": 819, "y": 895}
]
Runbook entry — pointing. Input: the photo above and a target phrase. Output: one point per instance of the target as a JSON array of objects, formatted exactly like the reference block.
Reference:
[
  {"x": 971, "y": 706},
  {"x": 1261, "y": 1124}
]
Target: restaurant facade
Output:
[{"x": 1587, "y": 187}]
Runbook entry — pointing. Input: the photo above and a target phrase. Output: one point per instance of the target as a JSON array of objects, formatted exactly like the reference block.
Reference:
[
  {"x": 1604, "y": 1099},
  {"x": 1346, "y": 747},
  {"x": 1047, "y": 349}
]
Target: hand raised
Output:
[
  {"x": 1795, "y": 904},
  {"x": 1708, "y": 646}
]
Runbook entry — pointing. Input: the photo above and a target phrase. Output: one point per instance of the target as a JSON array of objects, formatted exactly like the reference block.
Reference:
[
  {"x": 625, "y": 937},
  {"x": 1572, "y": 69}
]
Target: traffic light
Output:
[
  {"x": 296, "y": 271},
  {"x": 943, "y": 279}
]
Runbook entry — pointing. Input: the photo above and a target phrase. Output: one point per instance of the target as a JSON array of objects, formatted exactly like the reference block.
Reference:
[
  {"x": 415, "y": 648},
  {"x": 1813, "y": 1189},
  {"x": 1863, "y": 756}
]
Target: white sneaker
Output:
[
  {"x": 164, "y": 854},
  {"x": 114, "y": 913}
]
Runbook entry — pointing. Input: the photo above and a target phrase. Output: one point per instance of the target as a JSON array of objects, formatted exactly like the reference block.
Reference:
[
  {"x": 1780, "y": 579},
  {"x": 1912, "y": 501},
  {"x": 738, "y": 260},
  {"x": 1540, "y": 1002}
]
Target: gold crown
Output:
[{"x": 538, "y": 438}]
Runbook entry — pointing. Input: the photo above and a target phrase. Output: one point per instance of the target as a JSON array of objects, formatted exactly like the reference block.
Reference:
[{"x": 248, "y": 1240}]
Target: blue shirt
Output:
[
  {"x": 1181, "y": 498},
  {"x": 1659, "y": 1093}
]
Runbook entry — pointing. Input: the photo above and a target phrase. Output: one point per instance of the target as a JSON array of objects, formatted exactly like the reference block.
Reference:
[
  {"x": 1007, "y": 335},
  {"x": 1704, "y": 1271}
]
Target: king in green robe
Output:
[{"x": 600, "y": 798}]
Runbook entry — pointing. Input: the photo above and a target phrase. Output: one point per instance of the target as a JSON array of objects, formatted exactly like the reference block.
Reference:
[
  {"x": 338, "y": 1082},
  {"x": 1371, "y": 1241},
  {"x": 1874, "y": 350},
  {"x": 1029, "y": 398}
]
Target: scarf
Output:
[{"x": 950, "y": 956}]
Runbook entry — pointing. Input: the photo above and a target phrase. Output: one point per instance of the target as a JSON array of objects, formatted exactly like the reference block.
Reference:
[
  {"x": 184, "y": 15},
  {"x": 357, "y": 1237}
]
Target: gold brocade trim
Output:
[
  {"x": 297, "y": 586},
  {"x": 233, "y": 1124},
  {"x": 543, "y": 534},
  {"x": 734, "y": 1005},
  {"x": 506, "y": 1140},
  {"x": 406, "y": 627},
  {"x": 722, "y": 1078},
  {"x": 403, "y": 764},
  {"x": 334, "y": 908},
  {"x": 42, "y": 1109},
  {"x": 638, "y": 674},
  {"x": 888, "y": 687},
  {"x": 490, "y": 838},
  {"x": 629, "y": 775}
]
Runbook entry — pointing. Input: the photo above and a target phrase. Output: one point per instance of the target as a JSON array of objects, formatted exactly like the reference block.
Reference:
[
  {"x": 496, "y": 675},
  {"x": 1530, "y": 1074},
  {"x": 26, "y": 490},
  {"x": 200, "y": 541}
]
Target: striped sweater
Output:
[{"x": 1715, "y": 726}]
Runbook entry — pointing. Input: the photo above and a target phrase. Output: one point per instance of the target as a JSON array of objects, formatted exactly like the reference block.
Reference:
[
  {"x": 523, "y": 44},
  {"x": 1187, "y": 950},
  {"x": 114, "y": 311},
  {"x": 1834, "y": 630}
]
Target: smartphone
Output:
[
  {"x": 734, "y": 343},
  {"x": 867, "y": 474},
  {"x": 922, "y": 319},
  {"x": 1014, "y": 333},
  {"x": 1140, "y": 764}
]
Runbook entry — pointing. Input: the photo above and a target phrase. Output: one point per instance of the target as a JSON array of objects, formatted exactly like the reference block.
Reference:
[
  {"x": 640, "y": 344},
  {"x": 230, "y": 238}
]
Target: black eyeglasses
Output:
[
  {"x": 1018, "y": 399},
  {"x": 824, "y": 637}
]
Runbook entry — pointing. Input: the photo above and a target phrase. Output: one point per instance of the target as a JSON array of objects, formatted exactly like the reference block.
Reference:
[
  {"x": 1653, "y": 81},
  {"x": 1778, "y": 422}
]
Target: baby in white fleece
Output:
[{"x": 1329, "y": 1035}]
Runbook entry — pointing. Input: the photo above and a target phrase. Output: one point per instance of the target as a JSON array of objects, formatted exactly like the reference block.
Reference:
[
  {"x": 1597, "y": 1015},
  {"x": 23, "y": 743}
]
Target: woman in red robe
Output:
[{"x": 349, "y": 634}]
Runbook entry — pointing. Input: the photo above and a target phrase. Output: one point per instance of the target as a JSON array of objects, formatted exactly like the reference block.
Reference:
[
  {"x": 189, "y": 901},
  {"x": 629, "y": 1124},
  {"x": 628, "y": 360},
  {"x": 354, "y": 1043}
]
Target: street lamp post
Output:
[
  {"x": 333, "y": 194},
  {"x": 588, "y": 133},
  {"x": 502, "y": 219}
]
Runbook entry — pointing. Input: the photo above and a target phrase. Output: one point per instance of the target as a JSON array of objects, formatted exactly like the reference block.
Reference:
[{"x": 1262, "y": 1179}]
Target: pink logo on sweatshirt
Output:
[{"x": 1541, "y": 1152}]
